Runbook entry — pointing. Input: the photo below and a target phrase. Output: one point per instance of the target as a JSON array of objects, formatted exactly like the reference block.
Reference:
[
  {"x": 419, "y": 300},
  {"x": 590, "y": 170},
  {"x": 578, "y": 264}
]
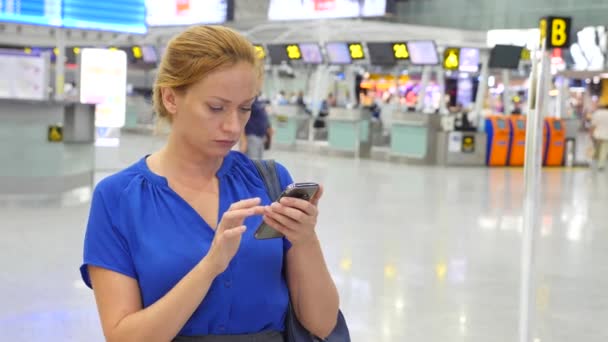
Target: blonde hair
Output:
[{"x": 195, "y": 53}]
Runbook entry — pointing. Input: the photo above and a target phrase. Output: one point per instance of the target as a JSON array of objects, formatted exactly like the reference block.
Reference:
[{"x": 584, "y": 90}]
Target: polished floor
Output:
[{"x": 418, "y": 253}]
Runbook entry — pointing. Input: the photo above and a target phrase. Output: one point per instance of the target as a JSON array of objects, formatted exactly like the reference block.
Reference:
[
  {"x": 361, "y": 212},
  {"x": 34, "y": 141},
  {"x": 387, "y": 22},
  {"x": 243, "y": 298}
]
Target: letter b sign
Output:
[{"x": 556, "y": 31}]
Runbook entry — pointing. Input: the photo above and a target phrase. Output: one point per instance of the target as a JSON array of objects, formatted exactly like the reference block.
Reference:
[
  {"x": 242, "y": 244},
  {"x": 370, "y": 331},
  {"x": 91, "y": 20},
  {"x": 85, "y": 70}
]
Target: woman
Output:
[{"x": 169, "y": 249}]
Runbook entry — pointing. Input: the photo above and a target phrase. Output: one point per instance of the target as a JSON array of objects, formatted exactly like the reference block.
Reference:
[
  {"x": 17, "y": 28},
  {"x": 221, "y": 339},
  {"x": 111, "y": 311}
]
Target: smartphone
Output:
[{"x": 305, "y": 191}]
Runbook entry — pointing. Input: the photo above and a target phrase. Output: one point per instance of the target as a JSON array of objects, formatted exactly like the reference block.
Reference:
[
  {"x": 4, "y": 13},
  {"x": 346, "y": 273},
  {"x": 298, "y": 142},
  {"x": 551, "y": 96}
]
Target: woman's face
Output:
[{"x": 211, "y": 115}]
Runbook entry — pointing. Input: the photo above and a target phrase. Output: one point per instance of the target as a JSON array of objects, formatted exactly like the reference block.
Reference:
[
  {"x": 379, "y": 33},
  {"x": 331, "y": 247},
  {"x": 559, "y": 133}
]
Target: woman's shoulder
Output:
[{"x": 115, "y": 184}]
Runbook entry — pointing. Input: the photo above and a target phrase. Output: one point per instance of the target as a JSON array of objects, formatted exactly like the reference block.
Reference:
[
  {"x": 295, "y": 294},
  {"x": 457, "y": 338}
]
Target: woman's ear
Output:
[{"x": 169, "y": 100}]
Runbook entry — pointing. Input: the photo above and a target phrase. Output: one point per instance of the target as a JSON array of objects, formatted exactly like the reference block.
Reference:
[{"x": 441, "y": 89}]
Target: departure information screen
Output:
[
  {"x": 108, "y": 15},
  {"x": 36, "y": 12}
]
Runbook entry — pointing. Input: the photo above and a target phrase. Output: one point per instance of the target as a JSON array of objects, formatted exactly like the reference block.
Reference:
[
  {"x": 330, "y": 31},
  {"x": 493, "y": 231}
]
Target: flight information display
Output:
[
  {"x": 186, "y": 12},
  {"x": 338, "y": 53},
  {"x": 36, "y": 12},
  {"x": 317, "y": 9},
  {"x": 109, "y": 15}
]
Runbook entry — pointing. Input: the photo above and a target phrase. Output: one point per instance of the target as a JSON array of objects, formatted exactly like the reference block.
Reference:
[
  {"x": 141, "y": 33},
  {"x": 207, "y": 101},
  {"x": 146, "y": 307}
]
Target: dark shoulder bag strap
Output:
[{"x": 267, "y": 169}]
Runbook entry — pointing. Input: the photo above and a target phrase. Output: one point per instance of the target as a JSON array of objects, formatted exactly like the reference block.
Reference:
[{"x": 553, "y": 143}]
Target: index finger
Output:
[
  {"x": 247, "y": 203},
  {"x": 233, "y": 218}
]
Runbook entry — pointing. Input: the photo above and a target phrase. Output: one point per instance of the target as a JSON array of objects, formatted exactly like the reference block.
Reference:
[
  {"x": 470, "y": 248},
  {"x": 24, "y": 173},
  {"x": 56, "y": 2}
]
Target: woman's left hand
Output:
[{"x": 295, "y": 218}]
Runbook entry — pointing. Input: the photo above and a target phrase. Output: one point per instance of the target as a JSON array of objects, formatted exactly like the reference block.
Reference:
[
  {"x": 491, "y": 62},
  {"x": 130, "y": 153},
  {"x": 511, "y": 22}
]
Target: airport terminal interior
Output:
[{"x": 463, "y": 162}]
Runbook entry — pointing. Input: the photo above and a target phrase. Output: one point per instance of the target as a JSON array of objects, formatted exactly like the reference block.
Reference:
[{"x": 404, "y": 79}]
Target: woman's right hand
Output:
[{"x": 229, "y": 232}]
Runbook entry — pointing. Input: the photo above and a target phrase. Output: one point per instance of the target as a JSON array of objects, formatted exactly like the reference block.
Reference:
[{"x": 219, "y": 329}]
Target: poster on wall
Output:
[
  {"x": 103, "y": 82},
  {"x": 23, "y": 76},
  {"x": 186, "y": 12},
  {"x": 318, "y": 9}
]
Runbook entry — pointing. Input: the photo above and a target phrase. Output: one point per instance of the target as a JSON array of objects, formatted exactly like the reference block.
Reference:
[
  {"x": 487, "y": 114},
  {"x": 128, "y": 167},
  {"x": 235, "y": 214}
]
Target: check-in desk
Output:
[
  {"x": 349, "y": 131},
  {"x": 458, "y": 148},
  {"x": 40, "y": 160},
  {"x": 290, "y": 123},
  {"x": 413, "y": 136}
]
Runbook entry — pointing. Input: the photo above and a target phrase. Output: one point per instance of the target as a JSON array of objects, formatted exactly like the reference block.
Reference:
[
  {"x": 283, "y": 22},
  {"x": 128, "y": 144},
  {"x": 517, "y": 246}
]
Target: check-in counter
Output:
[
  {"x": 461, "y": 148},
  {"x": 413, "y": 136},
  {"x": 290, "y": 123},
  {"x": 349, "y": 131},
  {"x": 47, "y": 148}
]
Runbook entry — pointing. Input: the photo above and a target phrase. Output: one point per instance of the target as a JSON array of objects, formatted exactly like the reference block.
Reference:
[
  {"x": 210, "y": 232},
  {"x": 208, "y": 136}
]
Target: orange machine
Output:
[
  {"x": 517, "y": 148},
  {"x": 555, "y": 141},
  {"x": 498, "y": 131}
]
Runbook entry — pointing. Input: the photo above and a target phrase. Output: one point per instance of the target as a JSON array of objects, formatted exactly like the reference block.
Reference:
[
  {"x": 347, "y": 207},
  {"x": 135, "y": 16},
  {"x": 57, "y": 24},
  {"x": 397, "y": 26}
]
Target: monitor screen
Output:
[
  {"x": 127, "y": 16},
  {"x": 469, "y": 60},
  {"x": 381, "y": 53},
  {"x": 557, "y": 125},
  {"x": 149, "y": 54},
  {"x": 505, "y": 57},
  {"x": 338, "y": 53},
  {"x": 36, "y": 12},
  {"x": 311, "y": 53},
  {"x": 185, "y": 12},
  {"x": 423, "y": 52},
  {"x": 521, "y": 124},
  {"x": 500, "y": 123},
  {"x": 277, "y": 54},
  {"x": 318, "y": 9}
]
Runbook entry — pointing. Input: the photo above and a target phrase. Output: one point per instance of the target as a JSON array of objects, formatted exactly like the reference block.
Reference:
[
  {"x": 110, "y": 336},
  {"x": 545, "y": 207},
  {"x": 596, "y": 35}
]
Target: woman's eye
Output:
[
  {"x": 246, "y": 109},
  {"x": 216, "y": 109}
]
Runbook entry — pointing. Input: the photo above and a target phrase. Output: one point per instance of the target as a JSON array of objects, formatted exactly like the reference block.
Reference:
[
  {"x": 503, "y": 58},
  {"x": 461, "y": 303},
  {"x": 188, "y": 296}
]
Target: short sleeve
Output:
[
  {"x": 286, "y": 180},
  {"x": 104, "y": 245}
]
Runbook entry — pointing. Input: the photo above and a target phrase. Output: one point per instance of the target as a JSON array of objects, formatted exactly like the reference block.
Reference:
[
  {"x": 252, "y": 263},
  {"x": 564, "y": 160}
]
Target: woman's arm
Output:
[
  {"x": 120, "y": 308},
  {"x": 119, "y": 299},
  {"x": 313, "y": 292}
]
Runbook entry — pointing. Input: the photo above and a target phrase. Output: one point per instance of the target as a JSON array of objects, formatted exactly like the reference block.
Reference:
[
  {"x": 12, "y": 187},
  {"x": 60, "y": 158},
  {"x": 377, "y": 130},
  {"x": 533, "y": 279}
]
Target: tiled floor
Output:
[{"x": 418, "y": 253}]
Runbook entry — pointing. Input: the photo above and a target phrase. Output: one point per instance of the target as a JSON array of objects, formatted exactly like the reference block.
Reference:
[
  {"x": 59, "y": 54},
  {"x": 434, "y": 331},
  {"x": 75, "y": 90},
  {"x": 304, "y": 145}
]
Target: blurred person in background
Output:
[
  {"x": 258, "y": 132},
  {"x": 599, "y": 132}
]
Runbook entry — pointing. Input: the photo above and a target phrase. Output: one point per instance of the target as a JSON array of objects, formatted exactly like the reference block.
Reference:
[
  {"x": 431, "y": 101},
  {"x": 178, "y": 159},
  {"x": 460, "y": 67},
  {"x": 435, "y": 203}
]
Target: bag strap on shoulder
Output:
[{"x": 268, "y": 170}]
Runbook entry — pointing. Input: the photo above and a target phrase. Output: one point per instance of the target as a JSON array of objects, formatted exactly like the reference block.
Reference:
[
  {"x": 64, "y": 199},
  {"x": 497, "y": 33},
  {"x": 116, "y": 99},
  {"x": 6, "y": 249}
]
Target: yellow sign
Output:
[
  {"x": 55, "y": 134},
  {"x": 451, "y": 58},
  {"x": 555, "y": 31},
  {"x": 76, "y": 50},
  {"x": 293, "y": 51},
  {"x": 259, "y": 49},
  {"x": 137, "y": 52},
  {"x": 356, "y": 51},
  {"x": 525, "y": 54},
  {"x": 400, "y": 51}
]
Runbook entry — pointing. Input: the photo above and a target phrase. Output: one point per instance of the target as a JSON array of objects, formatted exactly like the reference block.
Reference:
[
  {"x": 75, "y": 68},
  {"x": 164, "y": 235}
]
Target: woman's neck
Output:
[{"x": 181, "y": 161}]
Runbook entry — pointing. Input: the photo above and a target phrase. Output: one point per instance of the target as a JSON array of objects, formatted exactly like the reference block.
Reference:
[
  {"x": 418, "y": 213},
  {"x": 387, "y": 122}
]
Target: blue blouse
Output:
[{"x": 141, "y": 228}]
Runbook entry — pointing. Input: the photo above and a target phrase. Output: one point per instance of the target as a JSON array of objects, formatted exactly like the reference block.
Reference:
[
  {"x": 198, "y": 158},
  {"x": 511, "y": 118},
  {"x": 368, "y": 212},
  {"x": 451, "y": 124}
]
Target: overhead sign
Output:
[
  {"x": 526, "y": 54},
  {"x": 185, "y": 12},
  {"x": 293, "y": 52},
  {"x": 555, "y": 31},
  {"x": 400, "y": 51},
  {"x": 451, "y": 58},
  {"x": 260, "y": 51},
  {"x": 356, "y": 51},
  {"x": 317, "y": 9}
]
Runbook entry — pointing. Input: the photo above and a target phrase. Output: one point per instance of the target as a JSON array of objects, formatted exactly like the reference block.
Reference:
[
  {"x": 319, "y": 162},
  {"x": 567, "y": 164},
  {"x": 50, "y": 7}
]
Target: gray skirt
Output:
[{"x": 265, "y": 336}]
